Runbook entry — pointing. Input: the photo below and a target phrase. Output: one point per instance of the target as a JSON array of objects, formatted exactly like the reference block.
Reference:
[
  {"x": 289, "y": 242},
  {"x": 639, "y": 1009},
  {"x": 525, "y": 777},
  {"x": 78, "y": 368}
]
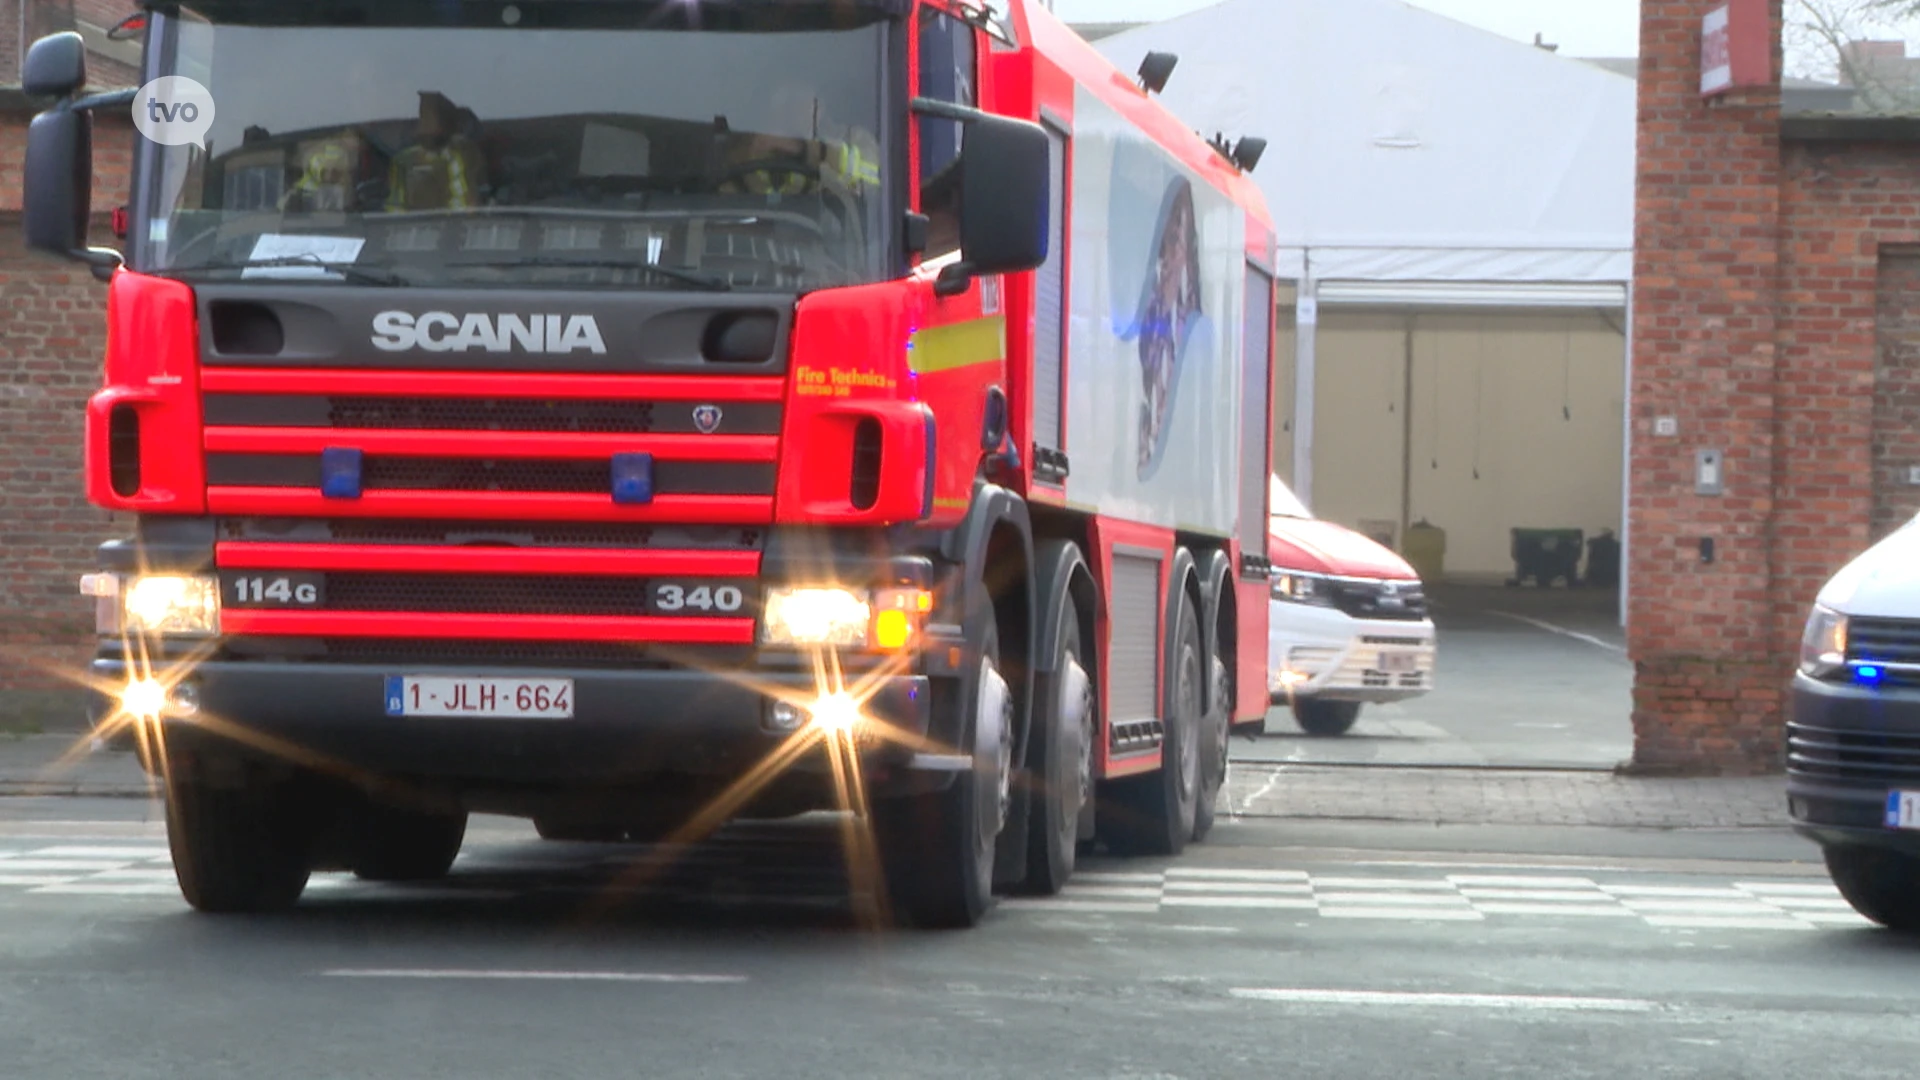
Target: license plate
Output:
[
  {"x": 511, "y": 699},
  {"x": 1399, "y": 663},
  {"x": 1903, "y": 809}
]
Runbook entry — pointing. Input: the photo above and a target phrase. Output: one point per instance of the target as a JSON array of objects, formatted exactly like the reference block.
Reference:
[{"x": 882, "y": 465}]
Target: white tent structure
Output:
[{"x": 1419, "y": 165}]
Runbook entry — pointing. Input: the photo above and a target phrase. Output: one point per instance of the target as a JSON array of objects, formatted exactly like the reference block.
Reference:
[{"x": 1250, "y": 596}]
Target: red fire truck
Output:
[{"x": 609, "y": 412}]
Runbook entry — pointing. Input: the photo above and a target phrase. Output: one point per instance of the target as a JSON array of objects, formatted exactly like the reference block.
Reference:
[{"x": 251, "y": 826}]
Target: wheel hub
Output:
[
  {"x": 993, "y": 742},
  {"x": 1076, "y": 714}
]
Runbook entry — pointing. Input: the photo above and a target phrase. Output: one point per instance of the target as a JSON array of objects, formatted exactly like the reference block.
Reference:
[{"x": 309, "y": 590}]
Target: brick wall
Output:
[
  {"x": 1777, "y": 273},
  {"x": 52, "y": 330},
  {"x": 1707, "y": 693},
  {"x": 1896, "y": 395}
]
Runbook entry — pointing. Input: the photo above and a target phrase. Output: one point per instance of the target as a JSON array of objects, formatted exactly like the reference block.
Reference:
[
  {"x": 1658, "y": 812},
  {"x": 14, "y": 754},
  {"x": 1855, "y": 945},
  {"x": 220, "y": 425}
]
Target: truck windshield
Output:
[{"x": 637, "y": 151}]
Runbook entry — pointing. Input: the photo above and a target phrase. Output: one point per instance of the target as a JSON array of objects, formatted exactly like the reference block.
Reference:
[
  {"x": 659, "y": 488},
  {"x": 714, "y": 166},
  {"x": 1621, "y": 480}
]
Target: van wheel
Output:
[
  {"x": 1880, "y": 884},
  {"x": 1326, "y": 718}
]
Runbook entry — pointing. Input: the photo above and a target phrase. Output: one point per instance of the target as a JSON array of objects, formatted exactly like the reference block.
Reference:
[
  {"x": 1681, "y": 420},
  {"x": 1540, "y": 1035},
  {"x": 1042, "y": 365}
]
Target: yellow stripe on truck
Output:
[{"x": 958, "y": 345}]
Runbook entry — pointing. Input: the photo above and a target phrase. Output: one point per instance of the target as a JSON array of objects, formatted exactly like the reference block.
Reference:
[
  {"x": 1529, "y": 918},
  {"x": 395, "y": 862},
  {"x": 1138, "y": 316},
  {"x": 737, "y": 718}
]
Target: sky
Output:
[{"x": 1580, "y": 27}]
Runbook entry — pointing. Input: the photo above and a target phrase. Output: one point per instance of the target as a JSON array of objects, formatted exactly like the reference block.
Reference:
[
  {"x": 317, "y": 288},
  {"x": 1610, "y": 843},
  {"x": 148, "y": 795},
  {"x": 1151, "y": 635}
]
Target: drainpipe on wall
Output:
[{"x": 1307, "y": 329}]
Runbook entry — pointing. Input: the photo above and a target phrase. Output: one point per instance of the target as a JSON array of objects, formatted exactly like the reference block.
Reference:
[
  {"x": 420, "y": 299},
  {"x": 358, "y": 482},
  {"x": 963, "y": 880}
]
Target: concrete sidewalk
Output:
[
  {"x": 1493, "y": 797},
  {"x": 63, "y": 764},
  {"x": 67, "y": 763}
]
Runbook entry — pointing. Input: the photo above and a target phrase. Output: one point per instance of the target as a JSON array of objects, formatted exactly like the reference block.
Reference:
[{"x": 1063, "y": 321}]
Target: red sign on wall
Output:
[{"x": 1736, "y": 47}]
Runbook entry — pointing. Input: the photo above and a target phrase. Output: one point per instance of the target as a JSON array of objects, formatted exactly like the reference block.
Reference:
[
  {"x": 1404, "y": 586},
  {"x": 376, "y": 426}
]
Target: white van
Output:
[{"x": 1853, "y": 740}]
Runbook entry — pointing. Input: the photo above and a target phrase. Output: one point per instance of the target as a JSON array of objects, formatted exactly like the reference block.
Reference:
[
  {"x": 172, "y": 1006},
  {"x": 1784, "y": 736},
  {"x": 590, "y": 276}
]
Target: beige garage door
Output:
[{"x": 1475, "y": 422}]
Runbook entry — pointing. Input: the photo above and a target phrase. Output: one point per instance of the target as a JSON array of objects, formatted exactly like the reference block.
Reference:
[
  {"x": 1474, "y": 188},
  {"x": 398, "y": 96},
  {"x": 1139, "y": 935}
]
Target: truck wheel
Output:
[
  {"x": 392, "y": 843},
  {"x": 238, "y": 850},
  {"x": 1216, "y": 732},
  {"x": 1155, "y": 814},
  {"x": 938, "y": 849},
  {"x": 1880, "y": 884},
  {"x": 1326, "y": 718},
  {"x": 1063, "y": 732}
]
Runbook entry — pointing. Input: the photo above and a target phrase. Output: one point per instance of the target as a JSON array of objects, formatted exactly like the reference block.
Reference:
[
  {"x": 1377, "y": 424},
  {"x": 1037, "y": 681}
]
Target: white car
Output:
[{"x": 1349, "y": 621}]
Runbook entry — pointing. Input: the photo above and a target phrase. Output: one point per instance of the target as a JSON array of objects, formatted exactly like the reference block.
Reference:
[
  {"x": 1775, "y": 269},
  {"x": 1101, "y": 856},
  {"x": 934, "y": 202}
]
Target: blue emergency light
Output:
[
  {"x": 340, "y": 468},
  {"x": 633, "y": 479}
]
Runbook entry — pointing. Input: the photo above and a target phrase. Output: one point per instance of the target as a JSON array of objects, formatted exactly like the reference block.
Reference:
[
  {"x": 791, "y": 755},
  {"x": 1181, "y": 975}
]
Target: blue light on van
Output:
[{"x": 1869, "y": 674}]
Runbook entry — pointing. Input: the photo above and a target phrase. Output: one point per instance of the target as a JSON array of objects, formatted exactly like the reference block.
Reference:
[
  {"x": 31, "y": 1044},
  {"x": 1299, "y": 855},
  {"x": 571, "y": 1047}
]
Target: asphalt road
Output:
[
  {"x": 1359, "y": 952},
  {"x": 1525, "y": 678}
]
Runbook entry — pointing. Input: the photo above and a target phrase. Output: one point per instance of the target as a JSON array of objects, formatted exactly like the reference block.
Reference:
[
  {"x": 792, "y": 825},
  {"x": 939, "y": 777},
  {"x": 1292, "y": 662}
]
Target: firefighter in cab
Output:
[
  {"x": 789, "y": 164},
  {"x": 444, "y": 169}
]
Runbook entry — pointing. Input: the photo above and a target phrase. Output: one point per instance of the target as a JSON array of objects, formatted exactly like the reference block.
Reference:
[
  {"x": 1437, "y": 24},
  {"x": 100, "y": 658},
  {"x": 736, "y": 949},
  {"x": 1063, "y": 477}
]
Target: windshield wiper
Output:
[
  {"x": 353, "y": 272},
  {"x": 669, "y": 273}
]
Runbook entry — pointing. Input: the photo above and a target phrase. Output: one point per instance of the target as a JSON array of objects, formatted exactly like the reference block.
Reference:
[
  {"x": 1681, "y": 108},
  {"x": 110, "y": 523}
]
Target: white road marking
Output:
[
  {"x": 1798, "y": 904},
  {"x": 1269, "y": 902},
  {"x": 529, "y": 976},
  {"x": 1386, "y": 899},
  {"x": 1592, "y": 897},
  {"x": 35, "y": 879},
  {"x": 1539, "y": 1002},
  {"x": 1404, "y": 914},
  {"x": 1239, "y": 887},
  {"x": 1182, "y": 873},
  {"x": 1506, "y": 908},
  {"x": 1834, "y": 918},
  {"x": 1725, "y": 922},
  {"x": 133, "y": 875},
  {"x": 1787, "y": 888},
  {"x": 126, "y": 888},
  {"x": 1676, "y": 891},
  {"x": 1521, "y": 881},
  {"x": 87, "y": 851},
  {"x": 1381, "y": 883},
  {"x": 73, "y": 866},
  {"x": 1700, "y": 907},
  {"x": 1563, "y": 632}
]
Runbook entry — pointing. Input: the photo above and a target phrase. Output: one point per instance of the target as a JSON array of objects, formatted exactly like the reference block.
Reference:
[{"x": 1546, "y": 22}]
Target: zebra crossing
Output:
[
  {"x": 1176, "y": 893},
  {"x": 1669, "y": 902}
]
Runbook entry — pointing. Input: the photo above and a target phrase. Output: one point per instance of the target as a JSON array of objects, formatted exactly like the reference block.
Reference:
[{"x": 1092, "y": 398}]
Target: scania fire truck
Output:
[{"x": 635, "y": 415}]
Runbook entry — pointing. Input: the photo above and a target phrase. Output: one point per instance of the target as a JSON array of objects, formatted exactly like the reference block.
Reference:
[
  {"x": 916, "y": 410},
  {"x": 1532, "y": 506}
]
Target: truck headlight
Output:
[
  {"x": 1823, "y": 648},
  {"x": 179, "y": 604},
  {"x": 814, "y": 617}
]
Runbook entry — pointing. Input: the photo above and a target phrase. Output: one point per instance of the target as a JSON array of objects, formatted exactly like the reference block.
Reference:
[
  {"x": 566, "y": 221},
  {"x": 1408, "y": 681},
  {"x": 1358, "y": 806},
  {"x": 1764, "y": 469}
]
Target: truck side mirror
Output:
[
  {"x": 56, "y": 66},
  {"x": 57, "y": 190},
  {"x": 1005, "y": 171},
  {"x": 57, "y": 186}
]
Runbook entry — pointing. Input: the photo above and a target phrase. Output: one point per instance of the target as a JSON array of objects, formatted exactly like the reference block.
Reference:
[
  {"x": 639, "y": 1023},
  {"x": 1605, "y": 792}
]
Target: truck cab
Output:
[{"x": 630, "y": 416}]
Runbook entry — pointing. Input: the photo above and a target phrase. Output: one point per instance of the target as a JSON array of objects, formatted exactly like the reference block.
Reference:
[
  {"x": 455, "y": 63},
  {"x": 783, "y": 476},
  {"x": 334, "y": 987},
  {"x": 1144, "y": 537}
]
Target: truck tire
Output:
[
  {"x": 1880, "y": 884},
  {"x": 393, "y": 843},
  {"x": 937, "y": 849},
  {"x": 1155, "y": 814},
  {"x": 238, "y": 850},
  {"x": 1062, "y": 776},
  {"x": 1215, "y": 743},
  {"x": 1326, "y": 718}
]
